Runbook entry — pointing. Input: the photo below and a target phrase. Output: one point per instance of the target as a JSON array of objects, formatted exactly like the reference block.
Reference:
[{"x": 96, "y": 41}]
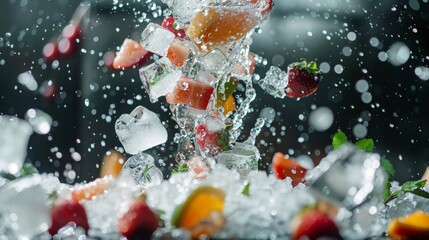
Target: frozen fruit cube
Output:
[
  {"x": 192, "y": 93},
  {"x": 156, "y": 39},
  {"x": 140, "y": 130},
  {"x": 159, "y": 78},
  {"x": 215, "y": 62},
  {"x": 243, "y": 158},
  {"x": 275, "y": 82}
]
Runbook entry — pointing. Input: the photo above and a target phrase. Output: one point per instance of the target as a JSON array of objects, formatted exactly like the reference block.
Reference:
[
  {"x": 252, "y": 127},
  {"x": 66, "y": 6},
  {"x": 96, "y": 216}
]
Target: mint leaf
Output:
[
  {"x": 145, "y": 173},
  {"x": 339, "y": 139},
  {"x": 387, "y": 193},
  {"x": 182, "y": 167},
  {"x": 365, "y": 144},
  {"x": 388, "y": 168},
  {"x": 414, "y": 187},
  {"x": 26, "y": 170},
  {"x": 246, "y": 189}
]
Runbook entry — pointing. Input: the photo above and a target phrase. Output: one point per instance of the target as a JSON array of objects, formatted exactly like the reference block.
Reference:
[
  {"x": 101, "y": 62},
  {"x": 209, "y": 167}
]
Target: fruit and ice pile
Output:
[{"x": 198, "y": 59}]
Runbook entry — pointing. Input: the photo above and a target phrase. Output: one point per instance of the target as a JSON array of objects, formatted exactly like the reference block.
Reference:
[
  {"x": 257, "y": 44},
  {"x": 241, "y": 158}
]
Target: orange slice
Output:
[
  {"x": 92, "y": 189},
  {"x": 112, "y": 164},
  {"x": 201, "y": 213},
  {"x": 414, "y": 226}
]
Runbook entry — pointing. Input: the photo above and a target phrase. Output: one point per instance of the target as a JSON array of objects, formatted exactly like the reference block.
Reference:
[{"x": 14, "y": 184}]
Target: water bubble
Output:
[
  {"x": 366, "y": 97},
  {"x": 347, "y": 51},
  {"x": 268, "y": 113},
  {"x": 398, "y": 54},
  {"x": 351, "y": 36},
  {"x": 27, "y": 80},
  {"x": 374, "y": 42},
  {"x": 362, "y": 86},
  {"x": 360, "y": 131},
  {"x": 382, "y": 56},
  {"x": 338, "y": 69},
  {"x": 422, "y": 73},
  {"x": 324, "y": 67},
  {"x": 321, "y": 119}
]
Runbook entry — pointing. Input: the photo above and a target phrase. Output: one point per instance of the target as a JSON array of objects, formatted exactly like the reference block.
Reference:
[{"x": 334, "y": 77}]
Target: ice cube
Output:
[
  {"x": 39, "y": 120},
  {"x": 14, "y": 137},
  {"x": 159, "y": 78},
  {"x": 275, "y": 82},
  {"x": 361, "y": 177},
  {"x": 70, "y": 232},
  {"x": 143, "y": 170},
  {"x": 243, "y": 158},
  {"x": 24, "y": 219},
  {"x": 156, "y": 39},
  {"x": 215, "y": 62},
  {"x": 140, "y": 130},
  {"x": 185, "y": 10},
  {"x": 167, "y": 233}
]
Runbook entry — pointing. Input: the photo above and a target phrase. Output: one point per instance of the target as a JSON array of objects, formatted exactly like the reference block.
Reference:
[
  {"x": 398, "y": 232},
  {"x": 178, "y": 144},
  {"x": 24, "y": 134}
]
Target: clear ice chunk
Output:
[
  {"x": 275, "y": 82},
  {"x": 185, "y": 10},
  {"x": 19, "y": 217},
  {"x": 143, "y": 170},
  {"x": 14, "y": 137},
  {"x": 159, "y": 78},
  {"x": 243, "y": 158},
  {"x": 156, "y": 39},
  {"x": 70, "y": 232},
  {"x": 215, "y": 62},
  {"x": 140, "y": 130},
  {"x": 39, "y": 120},
  {"x": 362, "y": 177}
]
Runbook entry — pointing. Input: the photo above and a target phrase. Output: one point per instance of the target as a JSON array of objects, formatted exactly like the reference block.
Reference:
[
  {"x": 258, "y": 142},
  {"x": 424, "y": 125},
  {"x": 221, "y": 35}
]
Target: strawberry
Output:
[
  {"x": 139, "y": 222},
  {"x": 303, "y": 79},
  {"x": 212, "y": 140},
  {"x": 170, "y": 24},
  {"x": 65, "y": 212},
  {"x": 191, "y": 92},
  {"x": 131, "y": 54},
  {"x": 313, "y": 225},
  {"x": 285, "y": 167}
]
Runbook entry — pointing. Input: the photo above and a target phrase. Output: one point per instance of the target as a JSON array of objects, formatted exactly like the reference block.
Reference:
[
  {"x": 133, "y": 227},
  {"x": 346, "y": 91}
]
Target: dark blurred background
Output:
[{"x": 385, "y": 45}]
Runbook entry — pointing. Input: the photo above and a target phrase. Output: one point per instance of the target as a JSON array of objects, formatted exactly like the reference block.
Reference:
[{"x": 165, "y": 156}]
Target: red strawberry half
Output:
[
  {"x": 210, "y": 140},
  {"x": 139, "y": 222},
  {"x": 65, "y": 212},
  {"x": 313, "y": 225},
  {"x": 131, "y": 54},
  {"x": 170, "y": 24},
  {"x": 303, "y": 78}
]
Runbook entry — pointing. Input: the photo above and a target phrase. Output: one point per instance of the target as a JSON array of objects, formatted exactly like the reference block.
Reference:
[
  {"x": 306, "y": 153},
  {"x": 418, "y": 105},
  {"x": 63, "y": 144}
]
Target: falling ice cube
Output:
[
  {"x": 243, "y": 158},
  {"x": 143, "y": 170},
  {"x": 14, "y": 137},
  {"x": 156, "y": 39},
  {"x": 360, "y": 174},
  {"x": 140, "y": 130},
  {"x": 275, "y": 82},
  {"x": 159, "y": 78},
  {"x": 39, "y": 120},
  {"x": 22, "y": 218},
  {"x": 215, "y": 62}
]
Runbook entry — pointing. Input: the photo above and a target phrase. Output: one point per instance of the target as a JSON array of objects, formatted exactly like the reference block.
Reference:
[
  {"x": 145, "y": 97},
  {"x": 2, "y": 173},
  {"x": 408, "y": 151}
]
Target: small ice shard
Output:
[
  {"x": 275, "y": 82},
  {"x": 156, "y": 39},
  {"x": 143, "y": 170},
  {"x": 159, "y": 78},
  {"x": 14, "y": 137},
  {"x": 39, "y": 120},
  {"x": 22, "y": 218},
  {"x": 243, "y": 158},
  {"x": 27, "y": 79},
  {"x": 70, "y": 231},
  {"x": 185, "y": 10},
  {"x": 360, "y": 173},
  {"x": 140, "y": 130}
]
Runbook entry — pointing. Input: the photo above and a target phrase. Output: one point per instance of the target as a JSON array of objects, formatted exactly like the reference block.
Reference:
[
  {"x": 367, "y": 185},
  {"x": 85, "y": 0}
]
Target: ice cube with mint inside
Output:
[
  {"x": 243, "y": 158},
  {"x": 156, "y": 39},
  {"x": 143, "y": 170},
  {"x": 159, "y": 78}
]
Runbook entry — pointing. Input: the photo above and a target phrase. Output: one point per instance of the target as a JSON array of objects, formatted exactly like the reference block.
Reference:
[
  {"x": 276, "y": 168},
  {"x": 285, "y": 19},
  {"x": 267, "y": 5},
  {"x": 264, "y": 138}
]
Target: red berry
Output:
[
  {"x": 65, "y": 212},
  {"x": 50, "y": 52},
  {"x": 303, "y": 79},
  {"x": 71, "y": 32},
  {"x": 48, "y": 90},
  {"x": 313, "y": 225},
  {"x": 139, "y": 222},
  {"x": 208, "y": 140},
  {"x": 131, "y": 54},
  {"x": 168, "y": 23}
]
